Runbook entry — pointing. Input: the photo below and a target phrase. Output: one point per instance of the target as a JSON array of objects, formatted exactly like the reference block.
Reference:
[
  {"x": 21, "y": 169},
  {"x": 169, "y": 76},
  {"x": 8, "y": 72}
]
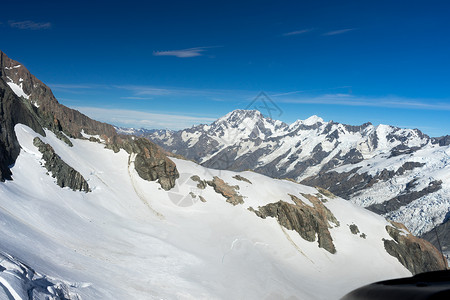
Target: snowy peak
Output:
[{"x": 313, "y": 120}]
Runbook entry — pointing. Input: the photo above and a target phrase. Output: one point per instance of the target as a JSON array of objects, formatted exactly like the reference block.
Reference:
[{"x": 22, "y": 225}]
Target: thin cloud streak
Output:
[
  {"x": 297, "y": 32},
  {"x": 387, "y": 102},
  {"x": 183, "y": 53},
  {"x": 139, "y": 119},
  {"x": 137, "y": 98},
  {"x": 336, "y": 32},
  {"x": 31, "y": 25}
]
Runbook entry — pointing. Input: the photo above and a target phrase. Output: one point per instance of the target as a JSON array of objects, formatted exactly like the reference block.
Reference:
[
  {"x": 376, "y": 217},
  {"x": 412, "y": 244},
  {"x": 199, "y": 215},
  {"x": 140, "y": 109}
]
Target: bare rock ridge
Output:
[
  {"x": 65, "y": 175},
  {"x": 416, "y": 254},
  {"x": 307, "y": 221},
  {"x": 26, "y": 100}
]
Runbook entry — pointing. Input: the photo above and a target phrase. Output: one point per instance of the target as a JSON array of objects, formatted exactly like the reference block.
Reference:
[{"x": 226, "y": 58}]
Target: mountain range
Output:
[
  {"x": 402, "y": 174},
  {"x": 89, "y": 213}
]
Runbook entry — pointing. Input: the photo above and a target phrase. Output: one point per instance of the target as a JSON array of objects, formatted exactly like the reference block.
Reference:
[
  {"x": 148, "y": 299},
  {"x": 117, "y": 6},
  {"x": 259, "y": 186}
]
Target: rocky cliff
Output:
[{"x": 416, "y": 254}]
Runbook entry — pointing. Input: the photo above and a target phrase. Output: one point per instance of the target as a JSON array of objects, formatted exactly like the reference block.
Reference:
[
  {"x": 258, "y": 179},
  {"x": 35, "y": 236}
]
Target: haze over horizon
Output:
[{"x": 175, "y": 64}]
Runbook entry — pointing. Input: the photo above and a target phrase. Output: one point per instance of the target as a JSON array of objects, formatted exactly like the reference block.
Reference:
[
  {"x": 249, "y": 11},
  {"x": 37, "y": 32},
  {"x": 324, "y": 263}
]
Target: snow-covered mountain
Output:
[
  {"x": 97, "y": 215},
  {"x": 400, "y": 173}
]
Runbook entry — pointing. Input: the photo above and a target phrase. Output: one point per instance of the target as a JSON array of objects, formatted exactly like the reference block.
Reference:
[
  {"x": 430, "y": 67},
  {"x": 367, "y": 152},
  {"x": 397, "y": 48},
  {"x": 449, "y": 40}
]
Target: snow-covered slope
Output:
[
  {"x": 130, "y": 238},
  {"x": 374, "y": 166}
]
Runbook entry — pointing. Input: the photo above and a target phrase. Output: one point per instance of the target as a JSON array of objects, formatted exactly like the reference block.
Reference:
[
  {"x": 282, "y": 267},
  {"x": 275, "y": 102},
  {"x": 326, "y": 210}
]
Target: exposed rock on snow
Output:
[
  {"x": 415, "y": 254},
  {"x": 241, "y": 178},
  {"x": 65, "y": 175},
  {"x": 308, "y": 221},
  {"x": 226, "y": 190}
]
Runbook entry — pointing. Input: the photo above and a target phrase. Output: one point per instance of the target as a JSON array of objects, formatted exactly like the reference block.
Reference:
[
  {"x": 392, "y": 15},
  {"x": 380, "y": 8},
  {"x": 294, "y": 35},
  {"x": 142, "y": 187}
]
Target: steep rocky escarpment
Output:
[
  {"x": 12, "y": 111},
  {"x": 65, "y": 175},
  {"x": 307, "y": 221},
  {"x": 416, "y": 254}
]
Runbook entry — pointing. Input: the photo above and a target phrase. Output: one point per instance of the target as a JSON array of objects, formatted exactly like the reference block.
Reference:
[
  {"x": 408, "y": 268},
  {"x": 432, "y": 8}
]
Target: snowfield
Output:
[{"x": 130, "y": 239}]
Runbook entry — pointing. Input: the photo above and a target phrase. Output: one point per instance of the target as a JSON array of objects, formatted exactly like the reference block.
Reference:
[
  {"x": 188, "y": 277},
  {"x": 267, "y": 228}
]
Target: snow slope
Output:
[{"x": 129, "y": 238}]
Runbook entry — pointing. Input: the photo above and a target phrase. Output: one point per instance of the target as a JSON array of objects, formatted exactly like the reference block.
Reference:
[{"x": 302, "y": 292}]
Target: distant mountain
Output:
[
  {"x": 400, "y": 173},
  {"x": 87, "y": 213}
]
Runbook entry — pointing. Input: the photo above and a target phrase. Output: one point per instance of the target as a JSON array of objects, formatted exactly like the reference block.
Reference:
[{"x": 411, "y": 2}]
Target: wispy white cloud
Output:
[
  {"x": 139, "y": 119},
  {"x": 30, "y": 25},
  {"x": 137, "y": 98},
  {"x": 74, "y": 86},
  {"x": 139, "y": 90},
  {"x": 183, "y": 53},
  {"x": 297, "y": 32},
  {"x": 352, "y": 100},
  {"x": 336, "y": 32}
]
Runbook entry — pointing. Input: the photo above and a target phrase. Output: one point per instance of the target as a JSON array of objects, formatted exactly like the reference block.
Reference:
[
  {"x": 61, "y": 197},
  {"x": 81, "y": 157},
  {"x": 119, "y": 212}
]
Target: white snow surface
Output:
[
  {"x": 17, "y": 89},
  {"x": 129, "y": 239}
]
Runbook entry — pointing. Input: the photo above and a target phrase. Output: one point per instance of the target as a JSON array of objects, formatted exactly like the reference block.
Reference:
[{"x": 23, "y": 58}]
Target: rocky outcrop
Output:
[
  {"x": 307, "y": 221},
  {"x": 416, "y": 254},
  {"x": 354, "y": 229},
  {"x": 201, "y": 184},
  {"x": 65, "y": 175},
  {"x": 241, "y": 178},
  {"x": 12, "y": 111},
  {"x": 150, "y": 163},
  {"x": 226, "y": 190}
]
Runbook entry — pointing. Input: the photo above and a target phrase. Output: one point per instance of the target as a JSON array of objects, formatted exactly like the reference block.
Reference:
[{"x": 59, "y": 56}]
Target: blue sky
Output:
[{"x": 171, "y": 64}]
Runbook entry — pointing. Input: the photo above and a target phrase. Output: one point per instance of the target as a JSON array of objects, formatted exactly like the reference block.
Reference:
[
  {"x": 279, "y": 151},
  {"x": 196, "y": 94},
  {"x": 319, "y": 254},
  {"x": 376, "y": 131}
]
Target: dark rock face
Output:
[
  {"x": 416, "y": 254},
  {"x": 226, "y": 190},
  {"x": 12, "y": 111},
  {"x": 65, "y": 175},
  {"x": 151, "y": 163},
  {"x": 307, "y": 221}
]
